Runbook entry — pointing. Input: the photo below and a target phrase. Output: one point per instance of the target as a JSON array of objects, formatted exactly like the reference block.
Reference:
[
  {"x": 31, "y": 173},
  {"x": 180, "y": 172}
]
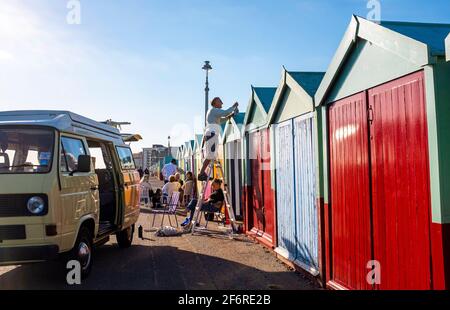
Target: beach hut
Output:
[
  {"x": 187, "y": 156},
  {"x": 294, "y": 125},
  {"x": 258, "y": 182},
  {"x": 180, "y": 157},
  {"x": 447, "y": 47},
  {"x": 197, "y": 150},
  {"x": 192, "y": 157},
  {"x": 220, "y": 154},
  {"x": 385, "y": 102},
  {"x": 232, "y": 147},
  {"x": 198, "y": 158}
]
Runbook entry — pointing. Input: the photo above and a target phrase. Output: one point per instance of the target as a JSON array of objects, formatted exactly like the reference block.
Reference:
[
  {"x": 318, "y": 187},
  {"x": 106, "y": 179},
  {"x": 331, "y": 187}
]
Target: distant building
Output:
[
  {"x": 138, "y": 160},
  {"x": 153, "y": 156}
]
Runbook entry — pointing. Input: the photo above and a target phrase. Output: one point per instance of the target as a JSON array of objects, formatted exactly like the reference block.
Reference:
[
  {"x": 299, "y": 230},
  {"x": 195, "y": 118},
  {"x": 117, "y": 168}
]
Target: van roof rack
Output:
[{"x": 64, "y": 121}]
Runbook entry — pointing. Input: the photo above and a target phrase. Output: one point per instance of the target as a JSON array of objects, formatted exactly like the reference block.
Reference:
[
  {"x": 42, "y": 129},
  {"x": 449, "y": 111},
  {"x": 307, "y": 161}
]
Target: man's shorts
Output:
[{"x": 210, "y": 151}]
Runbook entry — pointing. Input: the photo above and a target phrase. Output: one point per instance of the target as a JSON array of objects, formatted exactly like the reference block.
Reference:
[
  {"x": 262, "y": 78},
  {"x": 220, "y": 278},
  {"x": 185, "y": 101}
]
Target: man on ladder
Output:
[{"x": 214, "y": 118}]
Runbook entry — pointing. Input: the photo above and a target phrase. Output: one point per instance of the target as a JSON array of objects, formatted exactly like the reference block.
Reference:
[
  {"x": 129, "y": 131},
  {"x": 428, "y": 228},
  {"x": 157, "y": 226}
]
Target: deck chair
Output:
[{"x": 169, "y": 209}]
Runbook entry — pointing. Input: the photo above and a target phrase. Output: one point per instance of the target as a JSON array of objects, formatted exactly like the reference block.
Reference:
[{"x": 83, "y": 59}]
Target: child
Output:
[
  {"x": 188, "y": 187},
  {"x": 213, "y": 204},
  {"x": 156, "y": 199}
]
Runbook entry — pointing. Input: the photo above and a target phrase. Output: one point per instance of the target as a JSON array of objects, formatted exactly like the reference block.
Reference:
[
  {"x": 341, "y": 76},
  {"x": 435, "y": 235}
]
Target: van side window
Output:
[
  {"x": 100, "y": 155},
  {"x": 70, "y": 150},
  {"x": 126, "y": 158}
]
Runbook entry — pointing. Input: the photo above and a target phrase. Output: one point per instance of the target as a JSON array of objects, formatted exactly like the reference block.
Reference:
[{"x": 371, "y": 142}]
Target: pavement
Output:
[{"x": 187, "y": 262}]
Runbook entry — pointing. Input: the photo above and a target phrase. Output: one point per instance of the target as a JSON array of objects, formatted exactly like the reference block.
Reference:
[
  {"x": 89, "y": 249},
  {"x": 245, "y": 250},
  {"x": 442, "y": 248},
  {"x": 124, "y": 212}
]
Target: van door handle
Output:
[{"x": 94, "y": 188}]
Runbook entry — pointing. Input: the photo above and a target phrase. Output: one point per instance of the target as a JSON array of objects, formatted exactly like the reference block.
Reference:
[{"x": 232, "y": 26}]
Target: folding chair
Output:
[
  {"x": 169, "y": 209},
  {"x": 217, "y": 216}
]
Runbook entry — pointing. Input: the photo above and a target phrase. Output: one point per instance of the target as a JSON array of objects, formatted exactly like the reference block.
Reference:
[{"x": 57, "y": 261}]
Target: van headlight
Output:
[{"x": 36, "y": 205}]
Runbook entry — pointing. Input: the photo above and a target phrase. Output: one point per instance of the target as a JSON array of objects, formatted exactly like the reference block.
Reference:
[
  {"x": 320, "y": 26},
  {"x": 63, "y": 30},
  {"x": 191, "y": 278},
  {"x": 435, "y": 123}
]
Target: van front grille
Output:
[
  {"x": 12, "y": 232},
  {"x": 16, "y": 205}
]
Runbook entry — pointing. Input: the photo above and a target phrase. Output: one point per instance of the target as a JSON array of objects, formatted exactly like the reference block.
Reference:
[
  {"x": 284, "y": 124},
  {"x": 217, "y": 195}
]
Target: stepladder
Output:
[{"x": 202, "y": 195}]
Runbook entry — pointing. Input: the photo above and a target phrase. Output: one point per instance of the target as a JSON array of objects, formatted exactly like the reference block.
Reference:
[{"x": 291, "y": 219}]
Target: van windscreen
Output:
[{"x": 26, "y": 150}]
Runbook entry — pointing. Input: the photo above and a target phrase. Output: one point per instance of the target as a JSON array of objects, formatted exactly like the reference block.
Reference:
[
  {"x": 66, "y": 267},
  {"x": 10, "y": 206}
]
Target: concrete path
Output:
[{"x": 155, "y": 263}]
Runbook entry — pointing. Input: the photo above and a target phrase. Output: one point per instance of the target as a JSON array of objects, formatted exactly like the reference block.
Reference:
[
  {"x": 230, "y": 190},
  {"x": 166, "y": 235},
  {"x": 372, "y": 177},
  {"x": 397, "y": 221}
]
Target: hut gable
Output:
[
  {"x": 197, "y": 142},
  {"x": 294, "y": 95},
  {"x": 179, "y": 155},
  {"x": 259, "y": 106},
  {"x": 309, "y": 81},
  {"x": 233, "y": 128},
  {"x": 430, "y": 34},
  {"x": 370, "y": 54},
  {"x": 187, "y": 149},
  {"x": 265, "y": 96}
]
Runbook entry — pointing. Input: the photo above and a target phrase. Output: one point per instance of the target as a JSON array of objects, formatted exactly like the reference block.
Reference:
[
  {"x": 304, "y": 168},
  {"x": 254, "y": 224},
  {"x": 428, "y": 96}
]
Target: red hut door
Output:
[
  {"x": 350, "y": 192},
  {"x": 261, "y": 190},
  {"x": 400, "y": 186},
  {"x": 256, "y": 182},
  {"x": 268, "y": 196},
  {"x": 380, "y": 188}
]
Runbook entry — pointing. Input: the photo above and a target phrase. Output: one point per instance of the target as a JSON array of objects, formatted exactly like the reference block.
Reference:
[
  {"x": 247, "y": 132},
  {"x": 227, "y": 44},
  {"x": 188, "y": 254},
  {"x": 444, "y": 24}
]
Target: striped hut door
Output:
[
  {"x": 285, "y": 190},
  {"x": 305, "y": 189}
]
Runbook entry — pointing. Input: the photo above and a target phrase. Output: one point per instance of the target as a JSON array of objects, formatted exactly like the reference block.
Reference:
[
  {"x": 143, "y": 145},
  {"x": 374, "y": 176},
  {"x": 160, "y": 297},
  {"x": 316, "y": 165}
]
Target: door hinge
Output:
[{"x": 370, "y": 115}]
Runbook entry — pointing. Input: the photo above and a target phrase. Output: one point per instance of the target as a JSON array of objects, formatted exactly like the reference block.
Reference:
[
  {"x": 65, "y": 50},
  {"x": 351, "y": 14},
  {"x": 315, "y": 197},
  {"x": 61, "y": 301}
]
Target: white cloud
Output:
[
  {"x": 22, "y": 34},
  {"x": 16, "y": 21},
  {"x": 6, "y": 56}
]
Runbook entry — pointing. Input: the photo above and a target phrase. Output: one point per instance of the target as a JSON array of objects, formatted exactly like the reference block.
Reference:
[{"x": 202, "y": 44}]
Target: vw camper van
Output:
[{"x": 67, "y": 183}]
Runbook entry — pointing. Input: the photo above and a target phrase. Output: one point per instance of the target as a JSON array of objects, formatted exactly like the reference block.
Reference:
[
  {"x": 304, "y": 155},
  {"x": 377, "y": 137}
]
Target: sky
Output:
[{"x": 140, "y": 60}]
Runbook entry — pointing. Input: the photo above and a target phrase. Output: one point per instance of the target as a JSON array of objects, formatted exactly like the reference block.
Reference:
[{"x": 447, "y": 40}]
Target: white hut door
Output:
[
  {"x": 285, "y": 190},
  {"x": 305, "y": 191},
  {"x": 237, "y": 177}
]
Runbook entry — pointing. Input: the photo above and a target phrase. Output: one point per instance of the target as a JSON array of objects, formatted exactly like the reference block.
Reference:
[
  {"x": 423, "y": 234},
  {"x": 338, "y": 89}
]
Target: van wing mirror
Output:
[{"x": 84, "y": 164}]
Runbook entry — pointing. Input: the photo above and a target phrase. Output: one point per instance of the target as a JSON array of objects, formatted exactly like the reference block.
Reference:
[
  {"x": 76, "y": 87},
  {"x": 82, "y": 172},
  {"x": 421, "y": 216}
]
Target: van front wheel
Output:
[
  {"x": 125, "y": 237},
  {"x": 82, "y": 251}
]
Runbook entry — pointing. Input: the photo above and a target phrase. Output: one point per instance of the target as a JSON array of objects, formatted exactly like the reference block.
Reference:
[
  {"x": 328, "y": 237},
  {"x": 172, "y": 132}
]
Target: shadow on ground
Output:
[{"x": 153, "y": 268}]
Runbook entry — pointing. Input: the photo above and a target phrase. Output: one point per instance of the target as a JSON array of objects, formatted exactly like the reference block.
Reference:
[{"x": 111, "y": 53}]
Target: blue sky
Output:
[{"x": 140, "y": 60}]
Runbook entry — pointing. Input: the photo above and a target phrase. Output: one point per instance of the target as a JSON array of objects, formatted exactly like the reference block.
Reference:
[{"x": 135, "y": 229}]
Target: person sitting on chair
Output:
[
  {"x": 212, "y": 205},
  {"x": 169, "y": 188}
]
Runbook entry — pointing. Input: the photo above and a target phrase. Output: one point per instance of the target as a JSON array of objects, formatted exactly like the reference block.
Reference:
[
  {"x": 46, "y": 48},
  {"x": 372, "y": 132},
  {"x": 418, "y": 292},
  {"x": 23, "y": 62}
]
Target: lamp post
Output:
[
  {"x": 169, "y": 151},
  {"x": 206, "y": 67}
]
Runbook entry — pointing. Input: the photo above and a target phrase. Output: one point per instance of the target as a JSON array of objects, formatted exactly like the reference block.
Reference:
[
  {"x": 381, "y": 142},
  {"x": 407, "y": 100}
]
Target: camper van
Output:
[{"x": 67, "y": 183}]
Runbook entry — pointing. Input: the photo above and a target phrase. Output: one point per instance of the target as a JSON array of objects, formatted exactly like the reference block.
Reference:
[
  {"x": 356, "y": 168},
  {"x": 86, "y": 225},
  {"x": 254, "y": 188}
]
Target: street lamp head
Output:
[{"x": 207, "y": 66}]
